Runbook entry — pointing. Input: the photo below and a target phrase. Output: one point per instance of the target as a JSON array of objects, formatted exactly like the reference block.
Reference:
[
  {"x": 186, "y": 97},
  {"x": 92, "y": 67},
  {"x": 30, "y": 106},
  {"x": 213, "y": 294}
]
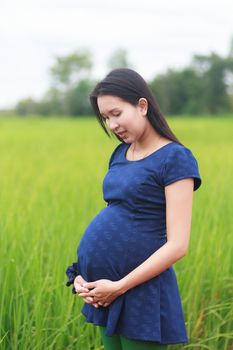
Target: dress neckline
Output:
[{"x": 149, "y": 155}]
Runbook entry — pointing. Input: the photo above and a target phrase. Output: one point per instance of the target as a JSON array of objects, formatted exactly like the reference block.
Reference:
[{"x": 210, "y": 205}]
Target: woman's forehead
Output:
[{"x": 107, "y": 103}]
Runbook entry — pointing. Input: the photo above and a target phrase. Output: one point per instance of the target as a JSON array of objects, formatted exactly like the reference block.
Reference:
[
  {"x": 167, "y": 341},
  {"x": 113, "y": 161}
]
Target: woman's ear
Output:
[{"x": 143, "y": 105}]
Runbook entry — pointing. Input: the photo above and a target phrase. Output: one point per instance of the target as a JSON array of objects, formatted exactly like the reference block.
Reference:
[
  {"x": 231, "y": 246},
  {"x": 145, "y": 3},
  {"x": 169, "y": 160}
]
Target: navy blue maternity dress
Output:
[{"x": 125, "y": 233}]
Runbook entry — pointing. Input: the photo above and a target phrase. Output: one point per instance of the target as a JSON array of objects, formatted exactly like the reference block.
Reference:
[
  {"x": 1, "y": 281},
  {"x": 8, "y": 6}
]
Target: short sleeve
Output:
[{"x": 181, "y": 164}]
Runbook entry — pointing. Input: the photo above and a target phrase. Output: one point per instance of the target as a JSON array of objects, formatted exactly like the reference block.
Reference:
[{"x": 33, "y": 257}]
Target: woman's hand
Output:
[
  {"x": 104, "y": 291},
  {"x": 78, "y": 285}
]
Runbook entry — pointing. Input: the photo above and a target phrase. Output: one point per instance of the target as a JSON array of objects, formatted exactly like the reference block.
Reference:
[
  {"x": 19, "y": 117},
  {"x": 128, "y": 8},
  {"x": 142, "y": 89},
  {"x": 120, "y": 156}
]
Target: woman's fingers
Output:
[
  {"x": 82, "y": 291},
  {"x": 103, "y": 304},
  {"x": 80, "y": 281},
  {"x": 89, "y": 301},
  {"x": 78, "y": 285}
]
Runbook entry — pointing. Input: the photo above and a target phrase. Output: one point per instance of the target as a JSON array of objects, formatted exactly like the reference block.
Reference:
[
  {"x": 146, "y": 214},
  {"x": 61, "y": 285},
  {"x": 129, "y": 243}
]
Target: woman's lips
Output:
[{"x": 121, "y": 134}]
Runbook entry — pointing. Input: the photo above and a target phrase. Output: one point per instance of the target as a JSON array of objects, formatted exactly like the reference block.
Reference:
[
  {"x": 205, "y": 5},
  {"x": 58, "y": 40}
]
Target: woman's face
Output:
[{"x": 127, "y": 121}]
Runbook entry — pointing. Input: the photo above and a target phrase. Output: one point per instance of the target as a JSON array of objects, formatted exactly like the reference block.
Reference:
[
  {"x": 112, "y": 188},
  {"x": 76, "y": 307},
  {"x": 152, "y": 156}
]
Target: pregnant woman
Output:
[{"x": 124, "y": 269}]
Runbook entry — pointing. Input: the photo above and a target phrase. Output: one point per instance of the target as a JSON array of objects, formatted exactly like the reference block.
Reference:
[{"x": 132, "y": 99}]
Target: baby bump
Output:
[{"x": 102, "y": 251}]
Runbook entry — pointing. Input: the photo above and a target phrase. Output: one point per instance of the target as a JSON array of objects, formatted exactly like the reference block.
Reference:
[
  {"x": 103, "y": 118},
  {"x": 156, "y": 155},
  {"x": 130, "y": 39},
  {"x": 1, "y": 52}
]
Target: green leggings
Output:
[{"x": 119, "y": 342}]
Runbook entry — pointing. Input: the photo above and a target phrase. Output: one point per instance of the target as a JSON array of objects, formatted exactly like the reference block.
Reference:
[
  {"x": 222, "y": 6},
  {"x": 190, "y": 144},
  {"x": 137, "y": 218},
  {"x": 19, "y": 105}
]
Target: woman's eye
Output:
[{"x": 114, "y": 115}]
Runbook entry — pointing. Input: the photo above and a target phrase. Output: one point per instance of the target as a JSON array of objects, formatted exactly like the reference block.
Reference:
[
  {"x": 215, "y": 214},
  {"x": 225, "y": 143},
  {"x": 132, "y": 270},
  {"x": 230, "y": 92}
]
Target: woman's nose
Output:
[{"x": 113, "y": 125}]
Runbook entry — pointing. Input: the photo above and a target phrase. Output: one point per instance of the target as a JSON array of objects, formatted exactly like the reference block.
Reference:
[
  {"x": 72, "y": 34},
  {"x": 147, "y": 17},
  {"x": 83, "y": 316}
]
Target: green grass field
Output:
[{"x": 51, "y": 187}]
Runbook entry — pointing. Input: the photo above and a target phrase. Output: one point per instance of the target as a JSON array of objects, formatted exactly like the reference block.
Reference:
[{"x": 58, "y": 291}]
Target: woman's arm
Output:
[{"x": 179, "y": 196}]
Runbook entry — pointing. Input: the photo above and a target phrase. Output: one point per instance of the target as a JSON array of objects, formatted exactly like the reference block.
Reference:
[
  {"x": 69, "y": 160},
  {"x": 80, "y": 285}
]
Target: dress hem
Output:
[{"x": 186, "y": 340}]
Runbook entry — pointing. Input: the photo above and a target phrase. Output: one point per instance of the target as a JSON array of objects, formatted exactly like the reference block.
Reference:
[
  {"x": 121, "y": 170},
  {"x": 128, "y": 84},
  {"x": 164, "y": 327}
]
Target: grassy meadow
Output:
[{"x": 51, "y": 173}]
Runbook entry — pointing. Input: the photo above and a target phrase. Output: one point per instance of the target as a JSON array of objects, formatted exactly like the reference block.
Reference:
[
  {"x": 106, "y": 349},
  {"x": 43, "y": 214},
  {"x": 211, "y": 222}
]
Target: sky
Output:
[{"x": 157, "y": 35}]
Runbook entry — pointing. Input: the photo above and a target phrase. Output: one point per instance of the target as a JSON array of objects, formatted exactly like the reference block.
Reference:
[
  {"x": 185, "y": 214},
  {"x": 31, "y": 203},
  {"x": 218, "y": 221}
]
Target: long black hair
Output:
[{"x": 128, "y": 85}]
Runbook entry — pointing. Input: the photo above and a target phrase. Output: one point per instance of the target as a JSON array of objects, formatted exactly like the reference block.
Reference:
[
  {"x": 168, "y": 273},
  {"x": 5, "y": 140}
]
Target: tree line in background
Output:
[{"x": 204, "y": 87}]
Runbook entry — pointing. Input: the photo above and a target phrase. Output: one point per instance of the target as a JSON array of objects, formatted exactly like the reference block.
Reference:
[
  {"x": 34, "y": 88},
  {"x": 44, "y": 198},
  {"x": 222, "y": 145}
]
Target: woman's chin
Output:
[{"x": 126, "y": 138}]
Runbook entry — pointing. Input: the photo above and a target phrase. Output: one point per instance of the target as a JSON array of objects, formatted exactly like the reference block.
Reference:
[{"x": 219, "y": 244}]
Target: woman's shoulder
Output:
[
  {"x": 178, "y": 150},
  {"x": 114, "y": 152},
  {"x": 180, "y": 163}
]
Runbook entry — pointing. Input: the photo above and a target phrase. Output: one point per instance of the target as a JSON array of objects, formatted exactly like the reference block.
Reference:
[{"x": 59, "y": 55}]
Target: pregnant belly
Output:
[
  {"x": 104, "y": 245},
  {"x": 114, "y": 243}
]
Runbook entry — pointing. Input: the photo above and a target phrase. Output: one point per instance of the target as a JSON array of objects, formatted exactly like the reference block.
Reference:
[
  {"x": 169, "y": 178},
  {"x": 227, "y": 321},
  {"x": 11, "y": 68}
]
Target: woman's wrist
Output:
[{"x": 123, "y": 285}]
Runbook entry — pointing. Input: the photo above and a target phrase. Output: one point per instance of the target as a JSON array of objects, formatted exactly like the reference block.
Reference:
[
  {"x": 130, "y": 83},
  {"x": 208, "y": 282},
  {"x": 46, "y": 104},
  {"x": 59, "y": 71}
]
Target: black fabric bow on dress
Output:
[{"x": 72, "y": 272}]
